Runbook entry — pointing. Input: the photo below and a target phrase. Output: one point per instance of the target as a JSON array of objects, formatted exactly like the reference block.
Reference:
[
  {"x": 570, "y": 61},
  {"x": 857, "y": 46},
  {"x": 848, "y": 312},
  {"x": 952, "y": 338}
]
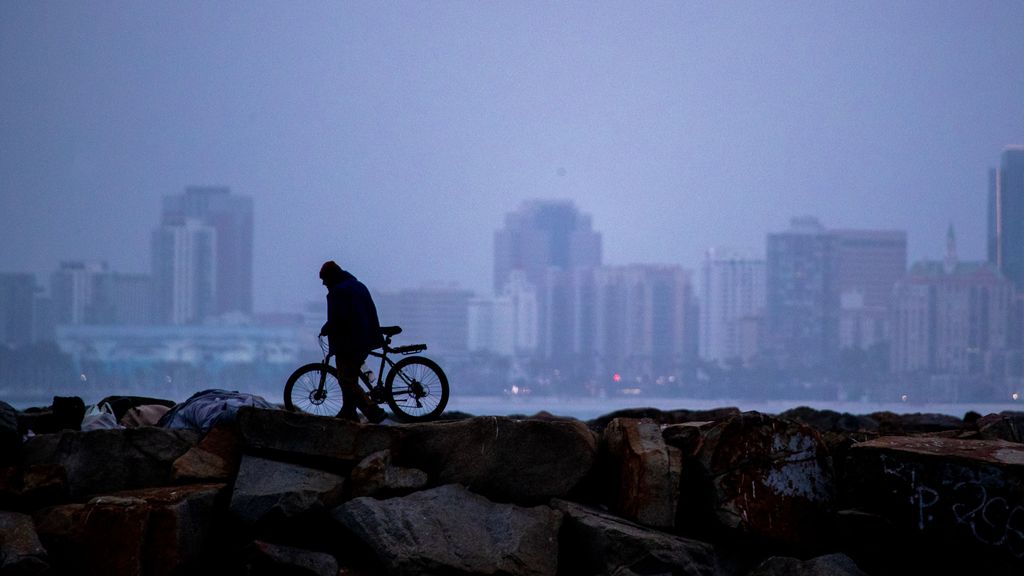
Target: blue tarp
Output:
[{"x": 209, "y": 407}]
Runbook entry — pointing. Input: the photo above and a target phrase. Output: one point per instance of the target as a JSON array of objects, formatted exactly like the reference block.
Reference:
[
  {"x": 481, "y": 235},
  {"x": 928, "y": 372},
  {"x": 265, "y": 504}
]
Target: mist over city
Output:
[{"x": 576, "y": 206}]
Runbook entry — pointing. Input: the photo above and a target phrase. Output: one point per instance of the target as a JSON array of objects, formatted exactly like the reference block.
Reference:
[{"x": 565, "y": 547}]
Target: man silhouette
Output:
[{"x": 352, "y": 330}]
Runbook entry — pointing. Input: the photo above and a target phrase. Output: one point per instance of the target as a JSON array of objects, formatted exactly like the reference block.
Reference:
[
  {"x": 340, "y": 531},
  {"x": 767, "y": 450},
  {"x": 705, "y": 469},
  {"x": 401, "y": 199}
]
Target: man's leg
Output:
[
  {"x": 352, "y": 396},
  {"x": 352, "y": 393}
]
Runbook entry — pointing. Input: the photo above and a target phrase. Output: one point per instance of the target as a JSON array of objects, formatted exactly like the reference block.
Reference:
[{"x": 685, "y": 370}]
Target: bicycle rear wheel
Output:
[
  {"x": 303, "y": 392},
  {"x": 416, "y": 389}
]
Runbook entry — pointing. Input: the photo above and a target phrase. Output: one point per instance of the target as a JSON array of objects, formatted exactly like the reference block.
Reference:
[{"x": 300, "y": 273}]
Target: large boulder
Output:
[
  {"x": 762, "y": 478},
  {"x": 952, "y": 505},
  {"x": 827, "y": 565},
  {"x": 154, "y": 531},
  {"x": 506, "y": 459},
  {"x": 269, "y": 559},
  {"x": 376, "y": 476},
  {"x": 306, "y": 437},
  {"x": 105, "y": 461},
  {"x": 595, "y": 542},
  {"x": 450, "y": 530},
  {"x": 1007, "y": 426},
  {"x": 641, "y": 472},
  {"x": 268, "y": 492},
  {"x": 21, "y": 552}
]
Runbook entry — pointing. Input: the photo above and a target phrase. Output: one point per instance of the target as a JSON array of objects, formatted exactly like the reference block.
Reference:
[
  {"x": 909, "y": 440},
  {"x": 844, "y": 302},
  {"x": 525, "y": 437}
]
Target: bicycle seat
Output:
[{"x": 390, "y": 330}]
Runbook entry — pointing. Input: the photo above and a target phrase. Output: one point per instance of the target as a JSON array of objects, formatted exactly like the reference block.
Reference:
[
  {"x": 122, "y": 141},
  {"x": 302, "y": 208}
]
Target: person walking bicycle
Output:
[{"x": 352, "y": 331}]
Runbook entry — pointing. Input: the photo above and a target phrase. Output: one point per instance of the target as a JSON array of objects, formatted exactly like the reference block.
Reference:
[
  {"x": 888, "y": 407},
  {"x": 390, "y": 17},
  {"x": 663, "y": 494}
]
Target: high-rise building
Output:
[
  {"x": 553, "y": 245},
  {"x": 952, "y": 320},
  {"x": 437, "y": 316},
  {"x": 230, "y": 217},
  {"x": 644, "y": 321},
  {"x": 17, "y": 298},
  {"x": 507, "y": 323},
  {"x": 184, "y": 272},
  {"x": 123, "y": 299},
  {"x": 868, "y": 265},
  {"x": 1006, "y": 215},
  {"x": 828, "y": 290},
  {"x": 544, "y": 234},
  {"x": 802, "y": 310},
  {"x": 73, "y": 289},
  {"x": 732, "y": 300}
]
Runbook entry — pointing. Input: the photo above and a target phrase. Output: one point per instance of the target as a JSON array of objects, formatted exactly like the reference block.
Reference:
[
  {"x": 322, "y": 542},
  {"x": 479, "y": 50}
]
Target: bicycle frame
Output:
[{"x": 374, "y": 390}]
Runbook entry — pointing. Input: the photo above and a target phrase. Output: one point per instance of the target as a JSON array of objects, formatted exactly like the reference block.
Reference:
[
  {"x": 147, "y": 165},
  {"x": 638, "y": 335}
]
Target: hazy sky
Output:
[{"x": 394, "y": 136}]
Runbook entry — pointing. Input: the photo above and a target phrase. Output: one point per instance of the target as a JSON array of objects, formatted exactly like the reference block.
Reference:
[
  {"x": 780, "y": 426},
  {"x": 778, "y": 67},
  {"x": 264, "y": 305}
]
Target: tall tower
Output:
[
  {"x": 185, "y": 272},
  {"x": 541, "y": 235},
  {"x": 554, "y": 247},
  {"x": 231, "y": 219},
  {"x": 732, "y": 295},
  {"x": 1006, "y": 215},
  {"x": 802, "y": 312}
]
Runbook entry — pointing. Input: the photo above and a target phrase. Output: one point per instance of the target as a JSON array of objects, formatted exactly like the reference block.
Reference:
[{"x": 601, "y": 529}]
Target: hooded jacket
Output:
[{"x": 352, "y": 326}]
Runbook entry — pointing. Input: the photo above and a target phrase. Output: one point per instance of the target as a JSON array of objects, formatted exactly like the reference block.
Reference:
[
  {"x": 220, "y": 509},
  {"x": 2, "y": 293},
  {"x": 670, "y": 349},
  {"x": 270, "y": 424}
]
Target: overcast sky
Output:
[{"x": 394, "y": 136}]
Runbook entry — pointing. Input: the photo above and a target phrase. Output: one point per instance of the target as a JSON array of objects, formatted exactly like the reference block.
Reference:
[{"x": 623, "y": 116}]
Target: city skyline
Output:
[{"x": 393, "y": 138}]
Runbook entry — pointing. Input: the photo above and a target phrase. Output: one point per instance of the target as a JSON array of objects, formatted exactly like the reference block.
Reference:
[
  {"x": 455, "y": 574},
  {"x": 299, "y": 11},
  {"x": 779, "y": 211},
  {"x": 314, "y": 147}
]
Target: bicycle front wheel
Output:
[
  {"x": 314, "y": 388},
  {"x": 417, "y": 389}
]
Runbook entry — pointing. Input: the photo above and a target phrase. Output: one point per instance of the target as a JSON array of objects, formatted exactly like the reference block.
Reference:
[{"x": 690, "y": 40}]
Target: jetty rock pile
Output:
[{"x": 636, "y": 492}]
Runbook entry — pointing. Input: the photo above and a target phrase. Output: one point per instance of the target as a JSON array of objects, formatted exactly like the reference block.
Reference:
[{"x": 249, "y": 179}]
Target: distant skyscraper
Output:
[
  {"x": 17, "y": 296},
  {"x": 802, "y": 312},
  {"x": 89, "y": 293},
  {"x": 1006, "y": 215},
  {"x": 231, "y": 219},
  {"x": 829, "y": 289},
  {"x": 732, "y": 297},
  {"x": 73, "y": 289},
  {"x": 952, "y": 318},
  {"x": 868, "y": 263},
  {"x": 553, "y": 245},
  {"x": 541, "y": 235},
  {"x": 184, "y": 272},
  {"x": 438, "y": 317},
  {"x": 644, "y": 321},
  {"x": 507, "y": 323}
]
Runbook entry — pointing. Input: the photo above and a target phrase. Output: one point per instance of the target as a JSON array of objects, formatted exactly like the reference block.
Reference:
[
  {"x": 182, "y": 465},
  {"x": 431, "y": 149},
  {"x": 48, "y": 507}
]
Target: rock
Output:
[
  {"x": 642, "y": 472},
  {"x": 104, "y": 461},
  {"x": 504, "y": 459},
  {"x": 112, "y": 536},
  {"x": 594, "y": 542},
  {"x": 955, "y": 504},
  {"x": 154, "y": 531},
  {"x": 214, "y": 459},
  {"x": 376, "y": 476},
  {"x": 267, "y": 559},
  {"x": 300, "y": 436},
  {"x": 664, "y": 417},
  {"x": 181, "y": 531},
  {"x": 21, "y": 552},
  {"x": 452, "y": 530},
  {"x": 831, "y": 421},
  {"x": 267, "y": 491},
  {"x": 765, "y": 479},
  {"x": 10, "y": 437},
  {"x": 1007, "y": 426},
  {"x": 890, "y": 423},
  {"x": 828, "y": 565}
]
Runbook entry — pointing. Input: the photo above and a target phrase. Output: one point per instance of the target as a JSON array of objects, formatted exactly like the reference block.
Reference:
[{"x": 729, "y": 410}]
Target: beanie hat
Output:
[{"x": 330, "y": 271}]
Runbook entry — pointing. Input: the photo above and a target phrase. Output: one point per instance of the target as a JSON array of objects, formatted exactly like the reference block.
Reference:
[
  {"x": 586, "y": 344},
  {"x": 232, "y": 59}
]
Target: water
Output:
[
  {"x": 585, "y": 408},
  {"x": 588, "y": 408}
]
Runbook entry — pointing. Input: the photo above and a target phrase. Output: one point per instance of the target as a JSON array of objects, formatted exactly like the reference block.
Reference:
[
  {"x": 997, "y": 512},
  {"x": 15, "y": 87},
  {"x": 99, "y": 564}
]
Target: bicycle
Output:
[{"x": 415, "y": 388}]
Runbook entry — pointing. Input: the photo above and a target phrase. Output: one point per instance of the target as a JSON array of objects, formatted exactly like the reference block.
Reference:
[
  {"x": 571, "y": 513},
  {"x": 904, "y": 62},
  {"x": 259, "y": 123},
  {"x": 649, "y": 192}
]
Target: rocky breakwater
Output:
[{"x": 637, "y": 492}]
